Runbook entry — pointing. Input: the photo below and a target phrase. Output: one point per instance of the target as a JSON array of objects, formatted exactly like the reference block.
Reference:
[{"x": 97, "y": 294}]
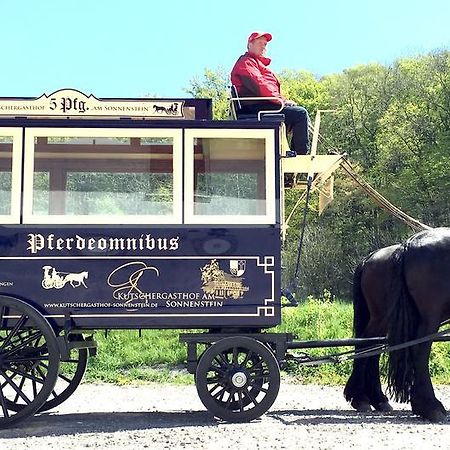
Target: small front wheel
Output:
[{"x": 238, "y": 379}]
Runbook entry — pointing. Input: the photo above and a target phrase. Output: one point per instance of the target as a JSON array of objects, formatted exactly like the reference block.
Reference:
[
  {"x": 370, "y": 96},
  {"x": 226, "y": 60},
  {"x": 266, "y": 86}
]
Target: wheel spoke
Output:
[
  {"x": 22, "y": 382},
  {"x": 256, "y": 365},
  {"x": 26, "y": 359},
  {"x": 33, "y": 383},
  {"x": 240, "y": 401},
  {"x": 250, "y": 397},
  {"x": 258, "y": 387},
  {"x": 228, "y": 403},
  {"x": 64, "y": 378},
  {"x": 41, "y": 373},
  {"x": 71, "y": 361},
  {"x": 29, "y": 376},
  {"x": 15, "y": 387},
  {"x": 23, "y": 344},
  {"x": 215, "y": 379},
  {"x": 258, "y": 374},
  {"x": 223, "y": 395},
  {"x": 219, "y": 395},
  {"x": 225, "y": 363},
  {"x": 235, "y": 356},
  {"x": 247, "y": 358},
  {"x": 3, "y": 403},
  {"x": 217, "y": 369},
  {"x": 14, "y": 331}
]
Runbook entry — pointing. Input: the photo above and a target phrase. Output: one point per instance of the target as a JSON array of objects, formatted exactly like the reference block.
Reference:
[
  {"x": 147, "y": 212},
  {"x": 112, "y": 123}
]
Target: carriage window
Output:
[
  {"x": 115, "y": 176},
  {"x": 6, "y": 146},
  {"x": 229, "y": 177},
  {"x": 10, "y": 148}
]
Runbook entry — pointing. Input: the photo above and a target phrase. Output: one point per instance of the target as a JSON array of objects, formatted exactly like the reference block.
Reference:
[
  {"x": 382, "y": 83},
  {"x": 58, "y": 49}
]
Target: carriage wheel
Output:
[
  {"x": 29, "y": 360},
  {"x": 238, "y": 379},
  {"x": 68, "y": 381}
]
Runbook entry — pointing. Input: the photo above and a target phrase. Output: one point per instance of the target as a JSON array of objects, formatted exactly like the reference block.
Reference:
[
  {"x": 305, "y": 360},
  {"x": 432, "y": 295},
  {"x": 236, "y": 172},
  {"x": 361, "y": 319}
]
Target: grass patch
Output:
[
  {"x": 158, "y": 356},
  {"x": 124, "y": 357},
  {"x": 318, "y": 319}
]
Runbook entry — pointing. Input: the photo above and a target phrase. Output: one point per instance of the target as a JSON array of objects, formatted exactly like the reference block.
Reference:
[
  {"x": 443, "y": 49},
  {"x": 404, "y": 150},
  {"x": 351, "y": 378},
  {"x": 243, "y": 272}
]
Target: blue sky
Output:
[{"x": 132, "y": 48}]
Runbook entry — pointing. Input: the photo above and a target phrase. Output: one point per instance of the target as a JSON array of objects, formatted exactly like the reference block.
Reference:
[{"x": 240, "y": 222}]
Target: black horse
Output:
[{"x": 402, "y": 292}]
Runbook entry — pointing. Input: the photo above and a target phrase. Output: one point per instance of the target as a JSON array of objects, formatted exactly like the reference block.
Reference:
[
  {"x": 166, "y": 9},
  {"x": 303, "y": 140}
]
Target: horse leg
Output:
[
  {"x": 355, "y": 389},
  {"x": 423, "y": 401},
  {"x": 363, "y": 388},
  {"x": 373, "y": 386}
]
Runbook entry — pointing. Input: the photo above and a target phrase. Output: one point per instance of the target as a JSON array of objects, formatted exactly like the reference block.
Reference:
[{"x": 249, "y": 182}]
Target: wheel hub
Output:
[{"x": 239, "y": 379}]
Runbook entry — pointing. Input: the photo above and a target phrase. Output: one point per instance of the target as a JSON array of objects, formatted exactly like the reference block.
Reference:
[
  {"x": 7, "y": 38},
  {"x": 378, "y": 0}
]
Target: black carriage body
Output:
[
  {"x": 145, "y": 277},
  {"x": 202, "y": 264}
]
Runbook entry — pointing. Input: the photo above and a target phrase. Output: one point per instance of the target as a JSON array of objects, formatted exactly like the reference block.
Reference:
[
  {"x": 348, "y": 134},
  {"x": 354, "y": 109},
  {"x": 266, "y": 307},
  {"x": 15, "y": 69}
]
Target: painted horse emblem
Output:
[{"x": 54, "y": 279}]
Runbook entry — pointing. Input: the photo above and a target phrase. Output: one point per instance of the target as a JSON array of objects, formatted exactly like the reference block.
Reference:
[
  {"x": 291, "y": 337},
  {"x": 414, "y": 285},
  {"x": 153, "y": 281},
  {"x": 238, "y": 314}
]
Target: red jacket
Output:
[{"x": 253, "y": 78}]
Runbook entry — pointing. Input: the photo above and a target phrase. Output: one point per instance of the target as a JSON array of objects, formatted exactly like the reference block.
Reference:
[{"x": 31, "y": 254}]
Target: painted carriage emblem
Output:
[
  {"x": 57, "y": 280},
  {"x": 217, "y": 282},
  {"x": 237, "y": 267},
  {"x": 169, "y": 110},
  {"x": 125, "y": 281}
]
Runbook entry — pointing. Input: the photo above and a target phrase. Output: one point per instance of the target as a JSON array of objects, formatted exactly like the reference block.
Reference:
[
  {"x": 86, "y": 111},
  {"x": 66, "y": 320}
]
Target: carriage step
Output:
[
  {"x": 87, "y": 343},
  {"x": 65, "y": 346}
]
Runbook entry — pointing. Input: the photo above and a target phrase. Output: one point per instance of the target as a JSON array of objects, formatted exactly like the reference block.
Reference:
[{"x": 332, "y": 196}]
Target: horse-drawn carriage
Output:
[{"x": 123, "y": 214}]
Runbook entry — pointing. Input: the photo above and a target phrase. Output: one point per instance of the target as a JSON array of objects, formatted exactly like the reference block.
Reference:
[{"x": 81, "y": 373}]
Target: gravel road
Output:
[{"x": 103, "y": 416}]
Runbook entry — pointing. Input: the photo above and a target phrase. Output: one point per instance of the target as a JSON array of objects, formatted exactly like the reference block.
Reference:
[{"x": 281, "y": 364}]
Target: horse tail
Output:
[
  {"x": 402, "y": 326},
  {"x": 361, "y": 314}
]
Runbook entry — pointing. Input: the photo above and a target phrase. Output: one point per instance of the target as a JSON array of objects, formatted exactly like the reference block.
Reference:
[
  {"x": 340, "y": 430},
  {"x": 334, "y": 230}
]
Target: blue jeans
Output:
[{"x": 296, "y": 120}]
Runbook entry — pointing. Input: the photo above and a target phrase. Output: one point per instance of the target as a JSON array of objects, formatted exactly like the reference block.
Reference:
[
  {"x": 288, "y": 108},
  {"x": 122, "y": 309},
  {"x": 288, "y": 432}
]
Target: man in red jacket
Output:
[{"x": 253, "y": 78}]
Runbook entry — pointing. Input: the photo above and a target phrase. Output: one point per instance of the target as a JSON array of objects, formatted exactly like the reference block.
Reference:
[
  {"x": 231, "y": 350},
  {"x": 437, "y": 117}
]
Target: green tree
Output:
[{"x": 213, "y": 84}]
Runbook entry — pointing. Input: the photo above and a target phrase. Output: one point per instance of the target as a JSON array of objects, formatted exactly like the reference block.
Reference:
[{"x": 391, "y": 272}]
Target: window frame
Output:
[
  {"x": 28, "y": 190},
  {"x": 269, "y": 218},
  {"x": 16, "y": 133}
]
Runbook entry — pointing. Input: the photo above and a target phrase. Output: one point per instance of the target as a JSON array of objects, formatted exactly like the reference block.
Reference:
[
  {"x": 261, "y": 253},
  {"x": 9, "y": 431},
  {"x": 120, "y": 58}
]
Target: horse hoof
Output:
[
  {"x": 383, "y": 407},
  {"x": 434, "y": 412},
  {"x": 436, "y": 416},
  {"x": 361, "y": 405}
]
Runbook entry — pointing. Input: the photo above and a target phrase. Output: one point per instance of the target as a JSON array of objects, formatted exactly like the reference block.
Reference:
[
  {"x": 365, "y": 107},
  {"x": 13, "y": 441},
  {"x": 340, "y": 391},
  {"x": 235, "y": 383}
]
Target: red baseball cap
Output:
[{"x": 258, "y": 34}]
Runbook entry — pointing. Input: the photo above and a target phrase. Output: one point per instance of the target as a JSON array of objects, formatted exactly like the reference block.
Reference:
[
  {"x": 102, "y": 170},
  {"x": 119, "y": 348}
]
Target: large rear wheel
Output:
[
  {"x": 29, "y": 360},
  {"x": 70, "y": 374}
]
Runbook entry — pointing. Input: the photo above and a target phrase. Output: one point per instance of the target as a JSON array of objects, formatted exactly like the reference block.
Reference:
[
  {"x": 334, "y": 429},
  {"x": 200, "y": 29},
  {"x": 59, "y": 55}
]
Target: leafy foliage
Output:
[{"x": 214, "y": 84}]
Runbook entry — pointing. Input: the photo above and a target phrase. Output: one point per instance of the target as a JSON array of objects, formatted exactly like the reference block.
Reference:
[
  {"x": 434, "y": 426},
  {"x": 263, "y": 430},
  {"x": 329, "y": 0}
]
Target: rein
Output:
[{"x": 307, "y": 360}]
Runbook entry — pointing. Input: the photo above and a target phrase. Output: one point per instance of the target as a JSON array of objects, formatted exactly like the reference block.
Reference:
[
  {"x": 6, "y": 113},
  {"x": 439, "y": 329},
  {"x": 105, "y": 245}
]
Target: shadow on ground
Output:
[{"x": 56, "y": 424}]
